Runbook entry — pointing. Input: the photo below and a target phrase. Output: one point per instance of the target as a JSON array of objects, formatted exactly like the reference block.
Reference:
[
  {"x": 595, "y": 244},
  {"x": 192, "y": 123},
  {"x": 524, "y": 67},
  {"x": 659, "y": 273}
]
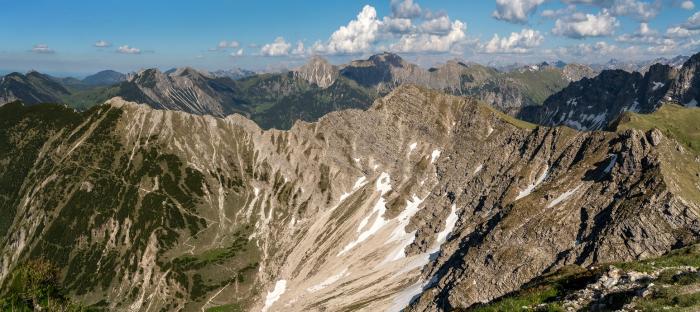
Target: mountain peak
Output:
[
  {"x": 387, "y": 57},
  {"x": 318, "y": 71}
]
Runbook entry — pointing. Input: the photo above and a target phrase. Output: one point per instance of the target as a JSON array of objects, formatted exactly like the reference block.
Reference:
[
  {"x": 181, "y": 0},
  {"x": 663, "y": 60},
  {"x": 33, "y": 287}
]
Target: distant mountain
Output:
[
  {"x": 104, "y": 78},
  {"x": 507, "y": 91},
  {"x": 184, "y": 89},
  {"x": 592, "y": 104},
  {"x": 32, "y": 88},
  {"x": 319, "y": 72},
  {"x": 235, "y": 73}
]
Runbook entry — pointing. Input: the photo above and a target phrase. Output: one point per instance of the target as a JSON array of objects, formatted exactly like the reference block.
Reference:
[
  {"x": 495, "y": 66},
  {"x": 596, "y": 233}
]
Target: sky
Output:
[{"x": 81, "y": 37}]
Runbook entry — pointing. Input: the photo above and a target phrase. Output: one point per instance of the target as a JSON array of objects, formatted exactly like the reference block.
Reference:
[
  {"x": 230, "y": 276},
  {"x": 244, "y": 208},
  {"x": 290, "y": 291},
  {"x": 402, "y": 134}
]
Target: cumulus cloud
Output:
[
  {"x": 239, "y": 52},
  {"x": 427, "y": 42},
  {"x": 279, "y": 47},
  {"x": 356, "y": 37},
  {"x": 515, "y": 11},
  {"x": 687, "y": 5},
  {"x": 126, "y": 49},
  {"x": 396, "y": 25},
  {"x": 299, "y": 49},
  {"x": 569, "y": 9},
  {"x": 521, "y": 42},
  {"x": 42, "y": 49},
  {"x": 595, "y": 52},
  {"x": 693, "y": 22},
  {"x": 405, "y": 9},
  {"x": 581, "y": 25},
  {"x": 439, "y": 25},
  {"x": 640, "y": 10},
  {"x": 102, "y": 44}
]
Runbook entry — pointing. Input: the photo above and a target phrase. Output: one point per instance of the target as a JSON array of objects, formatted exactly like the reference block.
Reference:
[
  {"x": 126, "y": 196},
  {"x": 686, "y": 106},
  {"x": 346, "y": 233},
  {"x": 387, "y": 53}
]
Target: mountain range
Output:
[
  {"x": 277, "y": 100},
  {"x": 424, "y": 201},
  {"x": 594, "y": 103}
]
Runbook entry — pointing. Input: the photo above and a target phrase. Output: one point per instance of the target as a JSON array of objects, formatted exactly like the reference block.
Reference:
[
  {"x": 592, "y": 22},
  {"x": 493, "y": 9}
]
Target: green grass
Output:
[
  {"x": 678, "y": 122},
  {"x": 673, "y": 290},
  {"x": 539, "y": 85},
  {"x": 510, "y": 119},
  {"x": 226, "y": 308},
  {"x": 689, "y": 256}
]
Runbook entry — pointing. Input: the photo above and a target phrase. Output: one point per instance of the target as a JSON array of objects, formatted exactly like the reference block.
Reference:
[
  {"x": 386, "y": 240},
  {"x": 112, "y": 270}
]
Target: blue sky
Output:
[{"x": 80, "y": 37}]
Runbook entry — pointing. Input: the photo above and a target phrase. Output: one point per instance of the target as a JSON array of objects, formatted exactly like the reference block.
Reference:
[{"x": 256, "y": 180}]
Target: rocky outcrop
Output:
[
  {"x": 686, "y": 88},
  {"x": 576, "y": 72}
]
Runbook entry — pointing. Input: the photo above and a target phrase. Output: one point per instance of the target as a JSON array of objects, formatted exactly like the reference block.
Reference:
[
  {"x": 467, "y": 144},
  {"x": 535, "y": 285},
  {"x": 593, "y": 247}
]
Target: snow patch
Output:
[
  {"x": 400, "y": 234},
  {"x": 489, "y": 131},
  {"x": 563, "y": 196},
  {"x": 450, "y": 223},
  {"x": 412, "y": 147},
  {"x": 528, "y": 190},
  {"x": 478, "y": 169},
  {"x": 383, "y": 186},
  {"x": 657, "y": 85},
  {"x": 275, "y": 294},
  {"x": 329, "y": 281},
  {"x": 434, "y": 156}
]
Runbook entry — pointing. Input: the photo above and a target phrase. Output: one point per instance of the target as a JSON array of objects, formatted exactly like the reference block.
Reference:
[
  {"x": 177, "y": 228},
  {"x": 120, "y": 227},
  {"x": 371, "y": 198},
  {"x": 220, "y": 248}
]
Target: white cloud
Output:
[
  {"x": 640, "y": 10},
  {"x": 515, "y": 11},
  {"x": 521, "y": 42},
  {"x": 42, "y": 48},
  {"x": 439, "y": 25},
  {"x": 680, "y": 32},
  {"x": 126, "y": 49},
  {"x": 426, "y": 42},
  {"x": 299, "y": 49},
  {"x": 239, "y": 52},
  {"x": 688, "y": 5},
  {"x": 569, "y": 9},
  {"x": 405, "y": 9},
  {"x": 396, "y": 25},
  {"x": 597, "y": 52},
  {"x": 693, "y": 22},
  {"x": 279, "y": 47},
  {"x": 581, "y": 25},
  {"x": 356, "y": 37},
  {"x": 102, "y": 44}
]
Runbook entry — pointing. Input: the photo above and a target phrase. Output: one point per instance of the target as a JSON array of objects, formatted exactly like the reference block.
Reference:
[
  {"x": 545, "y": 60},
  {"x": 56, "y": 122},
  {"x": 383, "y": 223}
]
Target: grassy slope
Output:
[
  {"x": 539, "y": 85},
  {"x": 673, "y": 291},
  {"x": 680, "y": 169},
  {"x": 678, "y": 122}
]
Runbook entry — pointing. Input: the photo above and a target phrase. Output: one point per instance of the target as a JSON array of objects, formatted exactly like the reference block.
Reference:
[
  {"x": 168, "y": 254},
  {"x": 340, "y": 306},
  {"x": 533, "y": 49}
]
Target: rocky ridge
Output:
[{"x": 405, "y": 203}]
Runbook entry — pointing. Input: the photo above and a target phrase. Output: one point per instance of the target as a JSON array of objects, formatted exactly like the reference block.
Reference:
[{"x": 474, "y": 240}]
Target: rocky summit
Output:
[{"x": 423, "y": 202}]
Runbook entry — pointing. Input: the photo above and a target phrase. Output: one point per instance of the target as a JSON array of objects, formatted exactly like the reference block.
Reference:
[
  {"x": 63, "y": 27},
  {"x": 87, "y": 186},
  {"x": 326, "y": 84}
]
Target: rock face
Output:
[
  {"x": 319, "y": 72},
  {"x": 32, "y": 88},
  {"x": 576, "y": 72},
  {"x": 686, "y": 88},
  {"x": 184, "y": 89},
  {"x": 592, "y": 103},
  {"x": 423, "y": 196}
]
